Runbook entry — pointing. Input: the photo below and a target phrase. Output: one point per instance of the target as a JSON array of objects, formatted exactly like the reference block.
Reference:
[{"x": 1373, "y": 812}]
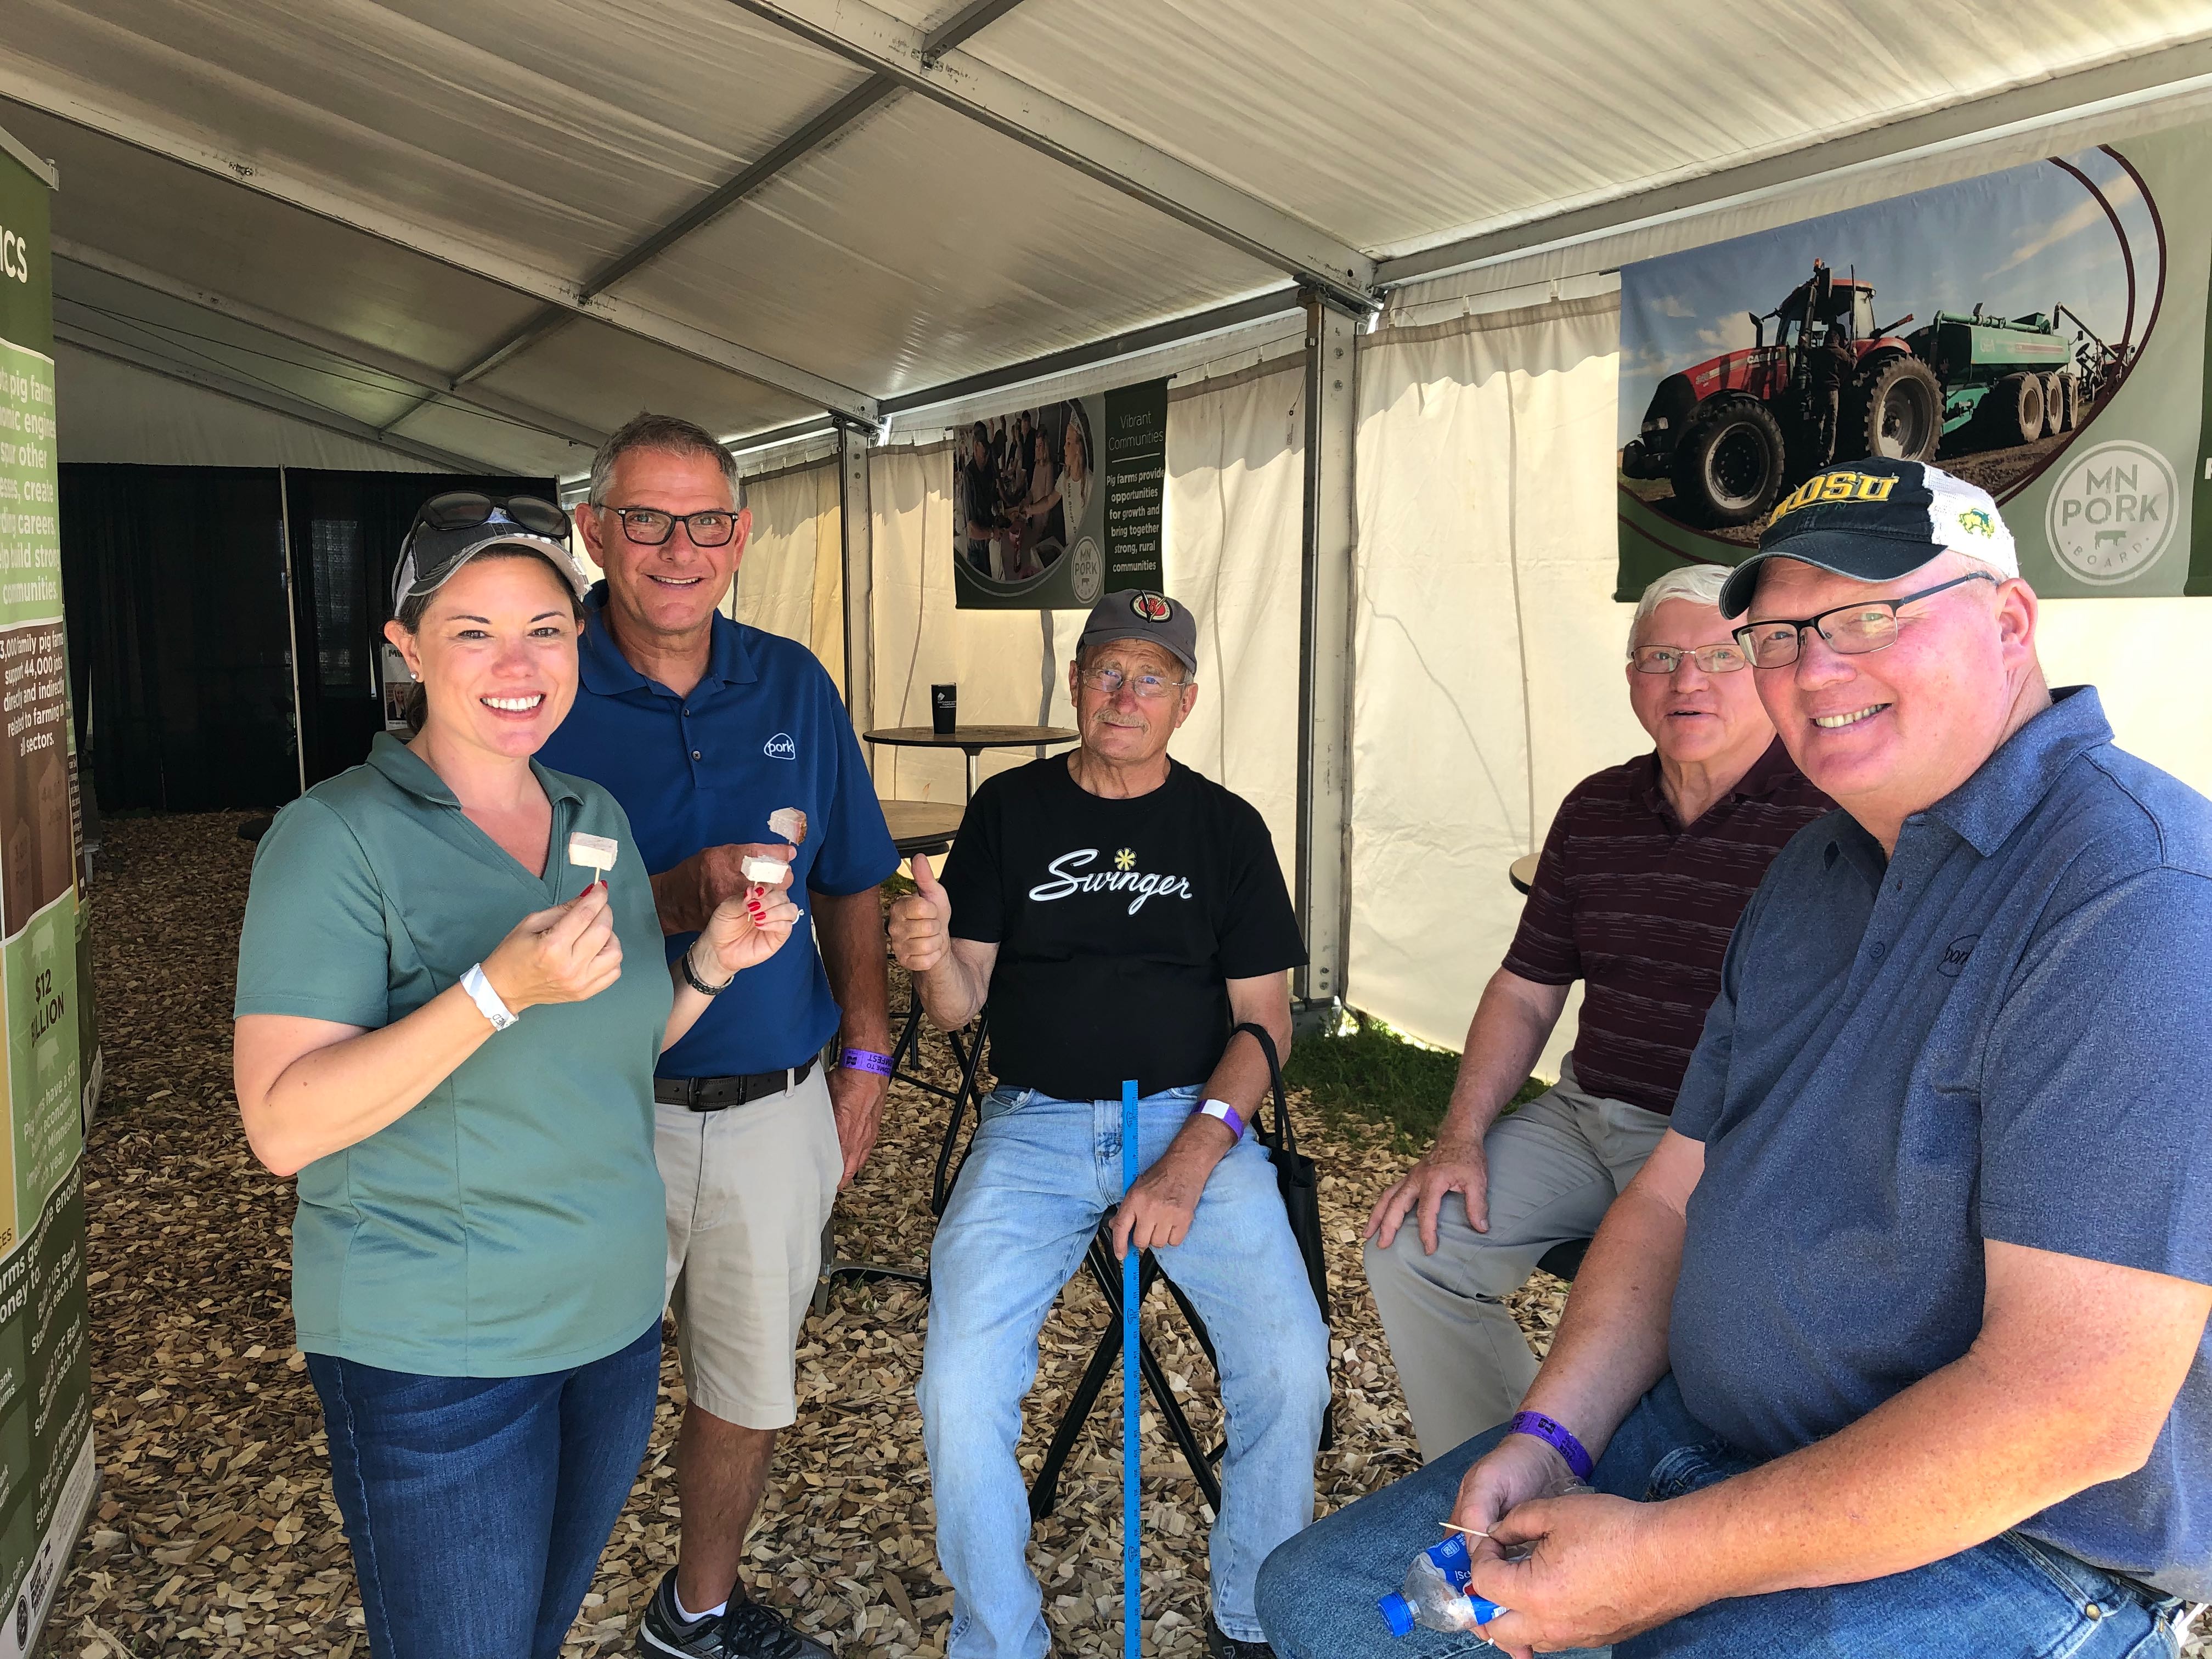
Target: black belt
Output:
[{"x": 712, "y": 1094}]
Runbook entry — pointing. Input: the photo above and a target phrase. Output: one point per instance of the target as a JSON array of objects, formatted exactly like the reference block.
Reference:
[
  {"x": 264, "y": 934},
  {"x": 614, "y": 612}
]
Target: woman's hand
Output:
[
  {"x": 563, "y": 954},
  {"x": 746, "y": 929}
]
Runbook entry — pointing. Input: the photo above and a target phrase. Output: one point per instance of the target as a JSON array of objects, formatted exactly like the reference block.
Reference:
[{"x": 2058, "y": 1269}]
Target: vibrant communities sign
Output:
[
  {"x": 1053, "y": 506},
  {"x": 2040, "y": 331},
  {"x": 47, "y": 1474}
]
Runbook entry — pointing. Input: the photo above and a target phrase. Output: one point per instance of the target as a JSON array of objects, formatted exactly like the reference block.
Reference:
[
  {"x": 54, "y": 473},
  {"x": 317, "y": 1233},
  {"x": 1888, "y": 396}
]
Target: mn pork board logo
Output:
[
  {"x": 1086, "y": 571},
  {"x": 780, "y": 747},
  {"x": 2111, "y": 512}
]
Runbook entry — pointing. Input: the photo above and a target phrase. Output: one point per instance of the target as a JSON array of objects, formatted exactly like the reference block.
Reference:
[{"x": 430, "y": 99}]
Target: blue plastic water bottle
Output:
[{"x": 1436, "y": 1595}]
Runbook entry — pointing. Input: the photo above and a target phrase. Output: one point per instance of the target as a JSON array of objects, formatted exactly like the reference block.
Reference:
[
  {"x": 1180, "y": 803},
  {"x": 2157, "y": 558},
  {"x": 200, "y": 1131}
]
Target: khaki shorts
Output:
[{"x": 750, "y": 1188}]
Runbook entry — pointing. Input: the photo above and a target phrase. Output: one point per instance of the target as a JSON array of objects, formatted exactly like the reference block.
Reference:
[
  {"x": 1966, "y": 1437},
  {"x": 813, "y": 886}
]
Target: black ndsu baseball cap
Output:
[
  {"x": 1876, "y": 519},
  {"x": 1143, "y": 615}
]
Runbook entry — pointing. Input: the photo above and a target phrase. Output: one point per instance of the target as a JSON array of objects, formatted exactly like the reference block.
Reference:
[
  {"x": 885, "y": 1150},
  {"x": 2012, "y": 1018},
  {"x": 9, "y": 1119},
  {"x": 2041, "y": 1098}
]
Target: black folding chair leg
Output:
[{"x": 1044, "y": 1491}]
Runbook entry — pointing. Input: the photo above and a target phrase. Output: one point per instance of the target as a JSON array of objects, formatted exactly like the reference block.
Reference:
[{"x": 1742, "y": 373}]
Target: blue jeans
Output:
[
  {"x": 477, "y": 1506},
  {"x": 1039, "y": 1175},
  {"x": 2011, "y": 1598}
]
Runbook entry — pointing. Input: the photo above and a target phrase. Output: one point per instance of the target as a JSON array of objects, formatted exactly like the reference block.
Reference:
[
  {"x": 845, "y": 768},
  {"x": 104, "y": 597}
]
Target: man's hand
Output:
[
  {"x": 856, "y": 1098},
  {"x": 1595, "y": 1573},
  {"x": 921, "y": 922},
  {"x": 687, "y": 895},
  {"x": 1449, "y": 1167},
  {"x": 1156, "y": 1210}
]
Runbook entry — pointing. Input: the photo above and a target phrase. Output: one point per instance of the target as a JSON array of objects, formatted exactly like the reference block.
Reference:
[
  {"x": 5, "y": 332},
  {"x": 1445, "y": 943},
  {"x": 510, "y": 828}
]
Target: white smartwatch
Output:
[{"x": 487, "y": 1000}]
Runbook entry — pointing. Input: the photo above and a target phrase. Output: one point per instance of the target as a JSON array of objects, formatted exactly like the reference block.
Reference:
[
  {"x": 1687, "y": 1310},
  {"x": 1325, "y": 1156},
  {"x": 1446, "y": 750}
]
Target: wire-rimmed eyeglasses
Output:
[
  {"x": 1710, "y": 659},
  {"x": 1851, "y": 630},
  {"x": 1149, "y": 687}
]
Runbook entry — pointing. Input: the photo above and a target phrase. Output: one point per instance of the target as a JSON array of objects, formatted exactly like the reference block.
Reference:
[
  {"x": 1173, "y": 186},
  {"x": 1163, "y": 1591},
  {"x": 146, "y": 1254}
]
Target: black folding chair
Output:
[{"x": 1105, "y": 1270}]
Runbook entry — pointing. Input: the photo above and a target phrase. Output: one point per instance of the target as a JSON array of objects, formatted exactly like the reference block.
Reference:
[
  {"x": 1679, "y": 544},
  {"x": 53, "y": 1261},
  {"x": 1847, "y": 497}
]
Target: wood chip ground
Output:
[{"x": 216, "y": 1532}]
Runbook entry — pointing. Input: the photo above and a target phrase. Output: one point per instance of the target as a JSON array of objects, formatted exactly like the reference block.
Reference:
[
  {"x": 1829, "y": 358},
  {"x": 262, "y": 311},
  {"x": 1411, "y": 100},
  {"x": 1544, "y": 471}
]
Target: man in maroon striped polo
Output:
[{"x": 1644, "y": 871}]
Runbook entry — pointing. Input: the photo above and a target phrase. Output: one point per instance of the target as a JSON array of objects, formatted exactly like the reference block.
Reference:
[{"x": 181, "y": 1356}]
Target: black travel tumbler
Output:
[{"x": 943, "y": 708}]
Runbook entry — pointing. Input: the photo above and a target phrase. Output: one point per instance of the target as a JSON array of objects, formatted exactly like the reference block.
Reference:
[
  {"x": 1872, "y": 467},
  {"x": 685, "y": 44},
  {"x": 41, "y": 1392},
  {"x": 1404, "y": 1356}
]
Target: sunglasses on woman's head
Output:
[{"x": 464, "y": 509}]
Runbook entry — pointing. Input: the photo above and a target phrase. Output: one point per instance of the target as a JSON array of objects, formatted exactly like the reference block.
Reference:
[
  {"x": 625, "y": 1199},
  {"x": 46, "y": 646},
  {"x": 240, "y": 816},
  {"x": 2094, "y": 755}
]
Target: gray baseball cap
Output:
[{"x": 1143, "y": 615}]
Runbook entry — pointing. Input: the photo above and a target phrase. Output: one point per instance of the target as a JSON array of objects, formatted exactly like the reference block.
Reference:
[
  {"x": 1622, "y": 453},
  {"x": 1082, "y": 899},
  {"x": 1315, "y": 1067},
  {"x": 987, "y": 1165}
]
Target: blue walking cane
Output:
[{"x": 1131, "y": 1631}]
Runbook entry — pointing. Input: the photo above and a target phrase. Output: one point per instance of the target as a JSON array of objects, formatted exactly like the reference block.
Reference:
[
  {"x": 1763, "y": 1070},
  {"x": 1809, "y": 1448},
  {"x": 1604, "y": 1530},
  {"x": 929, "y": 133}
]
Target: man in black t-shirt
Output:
[{"x": 1120, "y": 913}]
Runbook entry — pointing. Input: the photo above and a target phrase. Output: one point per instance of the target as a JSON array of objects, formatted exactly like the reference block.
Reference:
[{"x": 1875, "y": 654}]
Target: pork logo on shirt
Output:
[
  {"x": 1070, "y": 878},
  {"x": 780, "y": 747}
]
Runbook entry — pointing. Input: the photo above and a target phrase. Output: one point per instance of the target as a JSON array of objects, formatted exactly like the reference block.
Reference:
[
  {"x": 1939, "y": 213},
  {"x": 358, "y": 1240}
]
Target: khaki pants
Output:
[
  {"x": 1555, "y": 1165},
  {"x": 749, "y": 1190}
]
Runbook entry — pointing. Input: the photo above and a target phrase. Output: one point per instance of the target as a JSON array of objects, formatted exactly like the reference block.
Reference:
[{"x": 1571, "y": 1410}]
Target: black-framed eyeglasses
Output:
[
  {"x": 464, "y": 509},
  {"x": 1851, "y": 630},
  {"x": 1710, "y": 659},
  {"x": 1149, "y": 687},
  {"x": 648, "y": 527}
]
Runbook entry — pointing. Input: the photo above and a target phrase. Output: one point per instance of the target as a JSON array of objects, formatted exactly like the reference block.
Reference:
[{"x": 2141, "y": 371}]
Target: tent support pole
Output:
[
  {"x": 857, "y": 561},
  {"x": 1327, "y": 549}
]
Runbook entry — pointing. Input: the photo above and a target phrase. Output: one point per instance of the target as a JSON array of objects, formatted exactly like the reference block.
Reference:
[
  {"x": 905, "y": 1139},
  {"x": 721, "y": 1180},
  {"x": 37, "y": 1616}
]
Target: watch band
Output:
[
  {"x": 865, "y": 1059},
  {"x": 1228, "y": 1114},
  {"x": 691, "y": 978},
  {"x": 1556, "y": 1435},
  {"x": 487, "y": 1000}
]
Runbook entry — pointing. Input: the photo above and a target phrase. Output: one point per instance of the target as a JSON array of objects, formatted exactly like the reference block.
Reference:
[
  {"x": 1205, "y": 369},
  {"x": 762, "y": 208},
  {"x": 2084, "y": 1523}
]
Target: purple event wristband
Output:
[
  {"x": 865, "y": 1060},
  {"x": 1226, "y": 1114},
  {"x": 1557, "y": 1436}
]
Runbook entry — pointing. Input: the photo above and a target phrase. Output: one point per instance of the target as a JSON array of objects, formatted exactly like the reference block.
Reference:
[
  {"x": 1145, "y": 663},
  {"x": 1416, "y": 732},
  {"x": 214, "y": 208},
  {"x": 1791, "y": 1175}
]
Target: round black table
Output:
[
  {"x": 921, "y": 826},
  {"x": 972, "y": 739},
  {"x": 1521, "y": 872}
]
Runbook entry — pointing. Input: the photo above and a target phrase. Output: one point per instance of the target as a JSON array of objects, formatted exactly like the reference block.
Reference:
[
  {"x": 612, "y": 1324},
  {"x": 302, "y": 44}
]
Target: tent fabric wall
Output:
[
  {"x": 1235, "y": 510},
  {"x": 112, "y": 411},
  {"x": 1488, "y": 651},
  {"x": 791, "y": 581}
]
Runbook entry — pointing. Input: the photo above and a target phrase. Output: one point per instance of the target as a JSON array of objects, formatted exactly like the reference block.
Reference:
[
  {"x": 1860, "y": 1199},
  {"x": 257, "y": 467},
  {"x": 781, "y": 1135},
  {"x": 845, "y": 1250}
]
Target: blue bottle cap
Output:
[{"x": 1398, "y": 1613}]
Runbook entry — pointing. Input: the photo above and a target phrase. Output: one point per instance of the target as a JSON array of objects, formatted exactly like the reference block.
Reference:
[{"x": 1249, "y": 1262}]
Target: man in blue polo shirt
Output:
[
  {"x": 1898, "y": 1344},
  {"x": 723, "y": 743}
]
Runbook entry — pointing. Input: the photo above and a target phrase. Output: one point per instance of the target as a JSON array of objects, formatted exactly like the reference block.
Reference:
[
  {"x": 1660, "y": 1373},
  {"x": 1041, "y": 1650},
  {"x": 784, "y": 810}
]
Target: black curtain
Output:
[
  {"x": 346, "y": 531},
  {"x": 174, "y": 587},
  {"x": 180, "y": 638}
]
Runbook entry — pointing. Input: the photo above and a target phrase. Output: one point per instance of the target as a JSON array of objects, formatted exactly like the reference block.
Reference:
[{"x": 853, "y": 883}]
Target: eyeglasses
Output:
[
  {"x": 1666, "y": 659},
  {"x": 464, "y": 509},
  {"x": 1851, "y": 630},
  {"x": 1149, "y": 687},
  {"x": 648, "y": 527}
]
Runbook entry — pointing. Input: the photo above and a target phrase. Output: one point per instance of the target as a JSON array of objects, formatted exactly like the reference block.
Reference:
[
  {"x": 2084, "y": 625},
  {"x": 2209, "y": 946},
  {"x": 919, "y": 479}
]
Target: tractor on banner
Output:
[{"x": 1731, "y": 434}]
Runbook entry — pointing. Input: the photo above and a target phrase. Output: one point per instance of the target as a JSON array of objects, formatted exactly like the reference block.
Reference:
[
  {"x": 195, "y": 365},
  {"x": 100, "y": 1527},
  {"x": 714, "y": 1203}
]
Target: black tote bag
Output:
[{"x": 1294, "y": 1174}]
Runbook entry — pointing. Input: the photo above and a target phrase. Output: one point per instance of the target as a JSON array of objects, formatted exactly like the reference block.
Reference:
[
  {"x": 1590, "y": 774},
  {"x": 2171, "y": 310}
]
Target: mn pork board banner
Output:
[
  {"x": 46, "y": 1475},
  {"x": 1055, "y": 505},
  {"x": 2040, "y": 331}
]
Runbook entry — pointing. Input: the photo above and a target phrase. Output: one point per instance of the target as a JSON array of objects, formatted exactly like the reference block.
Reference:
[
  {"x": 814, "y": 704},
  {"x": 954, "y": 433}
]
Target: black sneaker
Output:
[
  {"x": 1222, "y": 1645},
  {"x": 744, "y": 1630}
]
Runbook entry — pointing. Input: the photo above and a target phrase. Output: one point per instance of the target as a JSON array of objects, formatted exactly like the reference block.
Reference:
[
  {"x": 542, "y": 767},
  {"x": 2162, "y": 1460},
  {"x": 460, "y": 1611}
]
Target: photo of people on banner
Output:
[
  {"x": 1055, "y": 505},
  {"x": 1987, "y": 325}
]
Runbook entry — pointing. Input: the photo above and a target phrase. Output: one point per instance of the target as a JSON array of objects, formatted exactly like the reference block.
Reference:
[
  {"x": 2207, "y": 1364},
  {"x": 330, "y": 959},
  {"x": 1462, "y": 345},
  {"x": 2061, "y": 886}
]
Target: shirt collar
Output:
[
  {"x": 409, "y": 771},
  {"x": 1990, "y": 806},
  {"x": 605, "y": 670},
  {"x": 1760, "y": 779}
]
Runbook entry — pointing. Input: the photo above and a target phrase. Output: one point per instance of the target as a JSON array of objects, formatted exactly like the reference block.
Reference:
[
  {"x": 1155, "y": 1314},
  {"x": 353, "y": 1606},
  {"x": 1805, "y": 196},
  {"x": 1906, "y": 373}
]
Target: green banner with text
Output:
[{"x": 46, "y": 1473}]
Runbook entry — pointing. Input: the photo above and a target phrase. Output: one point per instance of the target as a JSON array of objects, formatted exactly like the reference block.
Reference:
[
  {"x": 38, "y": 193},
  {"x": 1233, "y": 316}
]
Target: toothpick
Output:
[{"x": 1453, "y": 1526}]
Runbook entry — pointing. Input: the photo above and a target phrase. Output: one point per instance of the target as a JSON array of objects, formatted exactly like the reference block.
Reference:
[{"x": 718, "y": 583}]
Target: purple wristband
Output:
[
  {"x": 865, "y": 1060},
  {"x": 1557, "y": 1436},
  {"x": 1226, "y": 1114}
]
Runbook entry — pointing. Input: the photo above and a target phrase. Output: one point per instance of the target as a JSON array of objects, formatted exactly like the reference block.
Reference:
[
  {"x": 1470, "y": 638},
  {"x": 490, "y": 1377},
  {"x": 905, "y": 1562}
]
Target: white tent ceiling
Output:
[{"x": 752, "y": 210}]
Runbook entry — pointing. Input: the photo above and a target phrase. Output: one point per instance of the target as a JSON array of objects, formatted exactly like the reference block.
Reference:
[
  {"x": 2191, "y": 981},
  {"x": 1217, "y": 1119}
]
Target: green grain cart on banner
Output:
[{"x": 2006, "y": 381}]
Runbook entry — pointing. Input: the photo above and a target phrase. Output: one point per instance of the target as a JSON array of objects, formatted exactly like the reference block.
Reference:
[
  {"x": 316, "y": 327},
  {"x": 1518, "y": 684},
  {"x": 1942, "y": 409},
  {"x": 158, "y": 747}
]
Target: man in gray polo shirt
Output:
[{"x": 1898, "y": 1344}]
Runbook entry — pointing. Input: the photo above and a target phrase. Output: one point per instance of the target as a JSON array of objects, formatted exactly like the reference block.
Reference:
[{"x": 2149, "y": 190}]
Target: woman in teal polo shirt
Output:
[{"x": 437, "y": 1032}]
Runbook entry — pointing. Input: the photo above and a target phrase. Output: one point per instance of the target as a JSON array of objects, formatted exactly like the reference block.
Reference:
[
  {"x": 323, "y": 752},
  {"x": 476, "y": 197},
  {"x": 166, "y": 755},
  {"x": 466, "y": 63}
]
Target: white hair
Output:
[{"x": 1700, "y": 584}]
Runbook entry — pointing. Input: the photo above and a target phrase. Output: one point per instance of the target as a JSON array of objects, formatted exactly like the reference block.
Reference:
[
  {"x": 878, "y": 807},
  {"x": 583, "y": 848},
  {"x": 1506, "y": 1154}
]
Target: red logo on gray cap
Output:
[{"x": 1152, "y": 607}]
